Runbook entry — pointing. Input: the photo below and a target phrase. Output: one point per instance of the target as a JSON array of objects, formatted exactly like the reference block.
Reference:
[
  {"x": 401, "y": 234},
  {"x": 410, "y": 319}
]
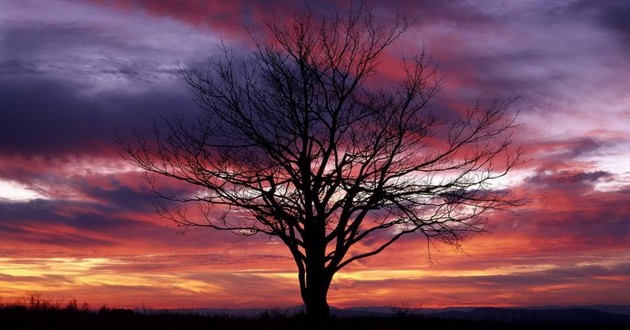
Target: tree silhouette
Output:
[{"x": 298, "y": 140}]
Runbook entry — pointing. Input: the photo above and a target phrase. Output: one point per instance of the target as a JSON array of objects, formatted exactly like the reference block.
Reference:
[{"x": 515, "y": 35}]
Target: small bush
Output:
[{"x": 35, "y": 301}]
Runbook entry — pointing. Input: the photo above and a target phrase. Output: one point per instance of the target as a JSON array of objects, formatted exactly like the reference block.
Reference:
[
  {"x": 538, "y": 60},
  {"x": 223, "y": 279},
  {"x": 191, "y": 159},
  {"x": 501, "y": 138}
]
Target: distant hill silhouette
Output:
[
  {"x": 376, "y": 318},
  {"x": 596, "y": 314},
  {"x": 573, "y": 315}
]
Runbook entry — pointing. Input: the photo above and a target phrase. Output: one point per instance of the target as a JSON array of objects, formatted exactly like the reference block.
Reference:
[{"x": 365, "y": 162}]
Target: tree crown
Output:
[{"x": 295, "y": 141}]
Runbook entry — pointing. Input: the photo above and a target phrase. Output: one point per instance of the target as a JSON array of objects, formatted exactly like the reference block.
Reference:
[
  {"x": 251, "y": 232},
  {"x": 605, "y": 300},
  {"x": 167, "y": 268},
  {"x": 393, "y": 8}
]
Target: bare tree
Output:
[{"x": 297, "y": 140}]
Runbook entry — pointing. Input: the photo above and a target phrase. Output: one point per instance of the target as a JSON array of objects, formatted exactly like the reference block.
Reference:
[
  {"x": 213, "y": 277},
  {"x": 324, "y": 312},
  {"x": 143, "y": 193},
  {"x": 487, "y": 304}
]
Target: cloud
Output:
[
  {"x": 609, "y": 14},
  {"x": 228, "y": 18},
  {"x": 50, "y": 118},
  {"x": 69, "y": 81},
  {"x": 557, "y": 286},
  {"x": 574, "y": 181}
]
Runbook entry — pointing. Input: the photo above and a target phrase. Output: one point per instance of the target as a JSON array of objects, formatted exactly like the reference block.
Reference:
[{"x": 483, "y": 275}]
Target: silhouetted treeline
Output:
[{"x": 71, "y": 316}]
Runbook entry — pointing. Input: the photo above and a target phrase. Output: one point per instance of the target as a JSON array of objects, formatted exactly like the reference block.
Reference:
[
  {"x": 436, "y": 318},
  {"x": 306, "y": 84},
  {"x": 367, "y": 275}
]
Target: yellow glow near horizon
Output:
[
  {"x": 69, "y": 274},
  {"x": 96, "y": 271},
  {"x": 410, "y": 274},
  {"x": 115, "y": 281},
  {"x": 50, "y": 266}
]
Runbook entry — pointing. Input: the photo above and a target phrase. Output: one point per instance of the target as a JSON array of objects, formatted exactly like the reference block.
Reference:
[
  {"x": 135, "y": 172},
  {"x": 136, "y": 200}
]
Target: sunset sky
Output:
[{"x": 76, "y": 221}]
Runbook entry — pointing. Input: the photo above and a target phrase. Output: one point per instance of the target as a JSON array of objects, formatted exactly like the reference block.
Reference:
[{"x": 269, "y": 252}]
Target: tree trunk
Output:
[
  {"x": 318, "y": 279},
  {"x": 317, "y": 309}
]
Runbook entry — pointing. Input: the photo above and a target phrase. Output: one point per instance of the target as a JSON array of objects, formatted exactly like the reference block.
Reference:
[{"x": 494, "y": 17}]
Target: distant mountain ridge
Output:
[
  {"x": 573, "y": 315},
  {"x": 594, "y": 314},
  {"x": 614, "y": 309}
]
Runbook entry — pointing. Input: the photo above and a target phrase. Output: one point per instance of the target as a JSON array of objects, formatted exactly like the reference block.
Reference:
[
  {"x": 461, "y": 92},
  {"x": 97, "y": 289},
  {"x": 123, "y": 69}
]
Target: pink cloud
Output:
[{"x": 568, "y": 246}]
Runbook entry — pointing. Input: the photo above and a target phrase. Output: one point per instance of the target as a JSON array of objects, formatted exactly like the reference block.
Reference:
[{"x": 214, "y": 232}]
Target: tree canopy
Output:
[{"x": 300, "y": 139}]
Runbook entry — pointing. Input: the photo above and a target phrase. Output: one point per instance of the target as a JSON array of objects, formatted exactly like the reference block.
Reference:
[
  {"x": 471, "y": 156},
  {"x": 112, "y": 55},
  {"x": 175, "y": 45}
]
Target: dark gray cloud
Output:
[
  {"x": 49, "y": 117},
  {"x": 74, "y": 224},
  {"x": 570, "y": 214},
  {"x": 83, "y": 216},
  {"x": 19, "y": 67},
  {"x": 80, "y": 53},
  {"x": 122, "y": 198},
  {"x": 616, "y": 17},
  {"x": 119, "y": 218},
  {"x": 575, "y": 181},
  {"x": 69, "y": 81},
  {"x": 610, "y": 14}
]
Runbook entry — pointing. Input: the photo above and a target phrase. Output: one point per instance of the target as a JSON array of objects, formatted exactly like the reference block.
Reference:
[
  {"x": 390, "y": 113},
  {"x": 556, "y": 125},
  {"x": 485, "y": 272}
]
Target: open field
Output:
[{"x": 51, "y": 316}]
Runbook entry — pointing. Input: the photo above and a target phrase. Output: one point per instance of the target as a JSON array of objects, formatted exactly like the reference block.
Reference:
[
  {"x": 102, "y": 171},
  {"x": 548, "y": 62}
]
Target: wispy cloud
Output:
[{"x": 85, "y": 225}]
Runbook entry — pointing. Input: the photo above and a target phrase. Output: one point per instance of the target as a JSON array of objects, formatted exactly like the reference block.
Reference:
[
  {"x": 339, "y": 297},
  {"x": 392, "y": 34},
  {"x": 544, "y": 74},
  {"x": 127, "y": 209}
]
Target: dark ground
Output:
[{"x": 23, "y": 318}]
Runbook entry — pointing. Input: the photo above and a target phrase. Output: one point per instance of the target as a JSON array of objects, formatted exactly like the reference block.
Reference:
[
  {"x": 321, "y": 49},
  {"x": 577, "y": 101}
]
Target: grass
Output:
[{"x": 36, "y": 312}]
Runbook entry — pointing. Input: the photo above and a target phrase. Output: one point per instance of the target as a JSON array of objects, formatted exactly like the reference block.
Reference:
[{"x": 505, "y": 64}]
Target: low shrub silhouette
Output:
[{"x": 34, "y": 311}]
